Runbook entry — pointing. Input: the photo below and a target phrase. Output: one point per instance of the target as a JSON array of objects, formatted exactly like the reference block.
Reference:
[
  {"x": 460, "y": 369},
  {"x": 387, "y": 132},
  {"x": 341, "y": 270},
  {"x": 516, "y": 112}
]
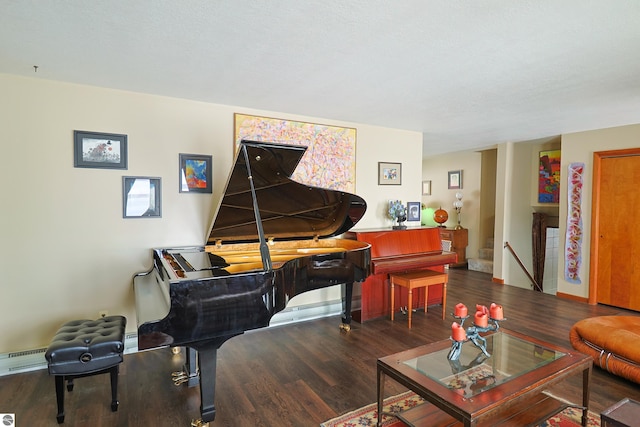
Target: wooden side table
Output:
[
  {"x": 459, "y": 241},
  {"x": 419, "y": 279},
  {"x": 622, "y": 414}
]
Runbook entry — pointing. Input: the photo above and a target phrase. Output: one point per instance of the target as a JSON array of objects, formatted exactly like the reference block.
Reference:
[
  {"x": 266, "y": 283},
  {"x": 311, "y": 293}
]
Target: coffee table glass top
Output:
[{"x": 474, "y": 373}]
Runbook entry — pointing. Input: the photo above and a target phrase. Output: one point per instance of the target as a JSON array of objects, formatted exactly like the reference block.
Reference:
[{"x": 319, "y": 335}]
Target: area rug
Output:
[{"x": 368, "y": 416}]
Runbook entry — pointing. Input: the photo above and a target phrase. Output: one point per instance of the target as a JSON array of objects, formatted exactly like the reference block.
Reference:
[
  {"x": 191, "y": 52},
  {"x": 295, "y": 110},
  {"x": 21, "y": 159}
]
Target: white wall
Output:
[
  {"x": 66, "y": 251},
  {"x": 436, "y": 169}
]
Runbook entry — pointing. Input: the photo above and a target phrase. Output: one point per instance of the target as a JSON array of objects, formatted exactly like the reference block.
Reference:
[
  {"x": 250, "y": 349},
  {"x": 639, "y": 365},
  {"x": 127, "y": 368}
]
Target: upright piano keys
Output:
[{"x": 271, "y": 239}]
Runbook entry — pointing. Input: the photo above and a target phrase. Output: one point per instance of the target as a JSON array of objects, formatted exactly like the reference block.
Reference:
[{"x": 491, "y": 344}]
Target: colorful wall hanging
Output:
[
  {"x": 573, "y": 244},
  {"x": 330, "y": 160}
]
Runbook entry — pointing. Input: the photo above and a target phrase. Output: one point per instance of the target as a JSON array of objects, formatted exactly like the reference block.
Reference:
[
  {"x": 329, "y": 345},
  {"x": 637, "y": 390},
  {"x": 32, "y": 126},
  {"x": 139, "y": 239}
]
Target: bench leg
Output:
[
  {"x": 60, "y": 398},
  {"x": 114, "y": 388},
  {"x": 410, "y": 305},
  {"x": 444, "y": 299},
  {"x": 392, "y": 296}
]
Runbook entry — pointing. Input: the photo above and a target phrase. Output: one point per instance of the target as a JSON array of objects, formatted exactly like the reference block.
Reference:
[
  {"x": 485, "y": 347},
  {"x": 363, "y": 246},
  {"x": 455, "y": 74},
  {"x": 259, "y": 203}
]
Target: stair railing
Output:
[{"x": 533, "y": 281}]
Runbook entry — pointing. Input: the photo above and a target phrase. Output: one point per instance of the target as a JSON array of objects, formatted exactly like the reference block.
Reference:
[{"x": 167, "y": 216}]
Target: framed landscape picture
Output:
[{"x": 99, "y": 150}]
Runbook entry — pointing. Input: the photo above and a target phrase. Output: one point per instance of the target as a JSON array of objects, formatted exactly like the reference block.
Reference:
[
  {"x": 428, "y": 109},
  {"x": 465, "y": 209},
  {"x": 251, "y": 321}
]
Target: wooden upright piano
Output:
[
  {"x": 271, "y": 239},
  {"x": 399, "y": 251}
]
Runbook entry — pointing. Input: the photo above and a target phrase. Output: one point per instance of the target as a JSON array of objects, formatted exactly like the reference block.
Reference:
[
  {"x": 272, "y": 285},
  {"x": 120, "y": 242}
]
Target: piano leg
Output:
[
  {"x": 207, "y": 358},
  {"x": 346, "y": 306}
]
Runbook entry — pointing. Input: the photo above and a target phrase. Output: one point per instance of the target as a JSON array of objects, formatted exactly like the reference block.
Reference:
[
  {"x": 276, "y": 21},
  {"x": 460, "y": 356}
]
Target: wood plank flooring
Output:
[{"x": 302, "y": 374}]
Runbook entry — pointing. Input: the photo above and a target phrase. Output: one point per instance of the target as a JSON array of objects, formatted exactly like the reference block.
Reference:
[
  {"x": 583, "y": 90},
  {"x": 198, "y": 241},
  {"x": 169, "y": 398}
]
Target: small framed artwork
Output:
[
  {"x": 413, "y": 211},
  {"x": 455, "y": 180},
  {"x": 426, "y": 188},
  {"x": 389, "y": 173},
  {"x": 141, "y": 197},
  {"x": 195, "y": 173},
  {"x": 99, "y": 150},
  {"x": 549, "y": 177}
]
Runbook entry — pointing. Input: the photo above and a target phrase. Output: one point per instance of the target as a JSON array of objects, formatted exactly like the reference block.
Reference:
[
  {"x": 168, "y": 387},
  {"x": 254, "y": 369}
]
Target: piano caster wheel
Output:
[
  {"x": 199, "y": 423},
  {"x": 345, "y": 327}
]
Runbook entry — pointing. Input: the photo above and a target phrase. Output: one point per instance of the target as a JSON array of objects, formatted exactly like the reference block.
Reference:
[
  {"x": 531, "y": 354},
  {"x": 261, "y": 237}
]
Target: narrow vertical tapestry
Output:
[
  {"x": 330, "y": 159},
  {"x": 573, "y": 245}
]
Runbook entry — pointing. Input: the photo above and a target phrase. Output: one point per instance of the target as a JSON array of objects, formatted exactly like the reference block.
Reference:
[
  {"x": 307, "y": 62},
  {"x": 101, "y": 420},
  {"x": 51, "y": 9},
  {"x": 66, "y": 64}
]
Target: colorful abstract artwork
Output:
[
  {"x": 195, "y": 173},
  {"x": 573, "y": 244},
  {"x": 330, "y": 159},
  {"x": 549, "y": 177}
]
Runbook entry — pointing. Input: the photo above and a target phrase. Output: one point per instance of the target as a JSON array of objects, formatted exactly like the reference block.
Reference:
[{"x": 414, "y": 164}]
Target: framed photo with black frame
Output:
[
  {"x": 195, "y": 173},
  {"x": 413, "y": 211},
  {"x": 141, "y": 197},
  {"x": 99, "y": 150}
]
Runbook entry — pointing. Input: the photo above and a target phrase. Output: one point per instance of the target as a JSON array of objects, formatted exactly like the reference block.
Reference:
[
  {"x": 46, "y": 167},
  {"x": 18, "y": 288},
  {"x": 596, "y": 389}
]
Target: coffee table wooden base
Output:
[{"x": 526, "y": 413}]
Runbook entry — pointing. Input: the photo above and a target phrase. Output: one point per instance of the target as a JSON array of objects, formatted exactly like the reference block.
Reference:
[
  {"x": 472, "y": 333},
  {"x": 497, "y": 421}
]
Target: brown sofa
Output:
[{"x": 612, "y": 341}]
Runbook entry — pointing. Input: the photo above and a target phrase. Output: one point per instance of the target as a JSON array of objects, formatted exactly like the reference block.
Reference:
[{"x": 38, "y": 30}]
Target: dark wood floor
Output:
[{"x": 302, "y": 374}]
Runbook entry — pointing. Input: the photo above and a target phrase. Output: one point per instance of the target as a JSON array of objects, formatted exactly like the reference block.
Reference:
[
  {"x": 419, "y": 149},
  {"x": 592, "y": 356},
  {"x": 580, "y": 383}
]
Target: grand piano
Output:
[
  {"x": 271, "y": 239},
  {"x": 399, "y": 251}
]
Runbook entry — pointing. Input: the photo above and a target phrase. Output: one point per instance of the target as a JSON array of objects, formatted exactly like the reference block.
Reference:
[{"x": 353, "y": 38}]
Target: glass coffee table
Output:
[{"x": 505, "y": 389}]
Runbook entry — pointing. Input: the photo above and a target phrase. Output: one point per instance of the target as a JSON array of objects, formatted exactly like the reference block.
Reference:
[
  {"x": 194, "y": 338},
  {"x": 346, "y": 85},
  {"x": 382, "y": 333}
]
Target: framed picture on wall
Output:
[
  {"x": 413, "y": 211},
  {"x": 426, "y": 188},
  {"x": 389, "y": 173},
  {"x": 141, "y": 197},
  {"x": 195, "y": 173},
  {"x": 99, "y": 150},
  {"x": 455, "y": 180},
  {"x": 549, "y": 177}
]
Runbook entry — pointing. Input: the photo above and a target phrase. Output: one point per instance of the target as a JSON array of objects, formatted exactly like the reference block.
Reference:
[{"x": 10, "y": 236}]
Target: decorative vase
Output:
[{"x": 400, "y": 226}]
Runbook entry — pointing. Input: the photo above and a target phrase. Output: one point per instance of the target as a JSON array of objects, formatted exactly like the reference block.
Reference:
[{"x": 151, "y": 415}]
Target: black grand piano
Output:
[{"x": 271, "y": 239}]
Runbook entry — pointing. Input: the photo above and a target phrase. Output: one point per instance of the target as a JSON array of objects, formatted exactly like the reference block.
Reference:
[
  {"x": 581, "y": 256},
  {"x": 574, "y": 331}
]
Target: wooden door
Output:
[{"x": 615, "y": 274}]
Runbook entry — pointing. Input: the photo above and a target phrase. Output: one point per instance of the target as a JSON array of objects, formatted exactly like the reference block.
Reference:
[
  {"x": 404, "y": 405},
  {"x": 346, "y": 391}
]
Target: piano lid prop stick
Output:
[{"x": 264, "y": 249}]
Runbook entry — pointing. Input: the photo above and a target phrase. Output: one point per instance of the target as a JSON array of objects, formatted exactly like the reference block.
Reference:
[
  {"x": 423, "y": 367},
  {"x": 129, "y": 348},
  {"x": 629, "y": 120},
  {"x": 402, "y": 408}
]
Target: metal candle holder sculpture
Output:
[{"x": 485, "y": 320}]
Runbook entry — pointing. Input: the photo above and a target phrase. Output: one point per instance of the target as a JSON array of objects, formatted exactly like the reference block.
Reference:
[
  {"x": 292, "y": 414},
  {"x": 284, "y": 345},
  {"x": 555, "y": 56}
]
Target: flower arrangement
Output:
[{"x": 398, "y": 212}]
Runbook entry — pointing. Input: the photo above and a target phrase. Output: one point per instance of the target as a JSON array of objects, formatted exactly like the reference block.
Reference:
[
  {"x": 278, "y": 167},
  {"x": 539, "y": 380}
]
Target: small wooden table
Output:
[
  {"x": 418, "y": 279},
  {"x": 504, "y": 389}
]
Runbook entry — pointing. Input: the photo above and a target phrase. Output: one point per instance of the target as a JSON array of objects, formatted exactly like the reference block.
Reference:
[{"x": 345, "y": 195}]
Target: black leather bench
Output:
[{"x": 81, "y": 348}]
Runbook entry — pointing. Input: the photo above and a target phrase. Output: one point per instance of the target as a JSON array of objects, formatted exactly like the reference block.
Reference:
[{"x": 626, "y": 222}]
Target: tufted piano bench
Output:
[{"x": 81, "y": 348}]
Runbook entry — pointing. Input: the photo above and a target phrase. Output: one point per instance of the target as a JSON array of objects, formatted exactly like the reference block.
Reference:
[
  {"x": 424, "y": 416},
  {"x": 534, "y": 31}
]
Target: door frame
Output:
[{"x": 598, "y": 156}]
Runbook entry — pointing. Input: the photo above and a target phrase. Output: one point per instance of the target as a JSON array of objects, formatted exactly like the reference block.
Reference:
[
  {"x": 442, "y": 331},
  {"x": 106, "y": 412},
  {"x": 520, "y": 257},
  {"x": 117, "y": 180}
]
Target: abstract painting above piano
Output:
[
  {"x": 396, "y": 251},
  {"x": 271, "y": 239}
]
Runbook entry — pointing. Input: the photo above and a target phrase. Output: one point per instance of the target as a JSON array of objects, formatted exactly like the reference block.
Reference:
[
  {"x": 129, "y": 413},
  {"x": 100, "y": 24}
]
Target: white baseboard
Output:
[{"x": 33, "y": 360}]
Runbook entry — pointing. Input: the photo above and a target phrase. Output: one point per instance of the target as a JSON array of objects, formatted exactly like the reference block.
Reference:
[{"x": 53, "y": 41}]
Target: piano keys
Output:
[
  {"x": 271, "y": 239},
  {"x": 398, "y": 251}
]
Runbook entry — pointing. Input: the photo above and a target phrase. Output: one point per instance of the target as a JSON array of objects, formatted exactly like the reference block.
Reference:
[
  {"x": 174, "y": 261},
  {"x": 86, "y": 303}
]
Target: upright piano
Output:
[
  {"x": 399, "y": 251},
  {"x": 271, "y": 239}
]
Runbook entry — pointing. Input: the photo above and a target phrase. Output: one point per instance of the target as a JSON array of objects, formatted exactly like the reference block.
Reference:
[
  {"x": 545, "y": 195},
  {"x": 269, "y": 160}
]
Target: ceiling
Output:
[{"x": 466, "y": 74}]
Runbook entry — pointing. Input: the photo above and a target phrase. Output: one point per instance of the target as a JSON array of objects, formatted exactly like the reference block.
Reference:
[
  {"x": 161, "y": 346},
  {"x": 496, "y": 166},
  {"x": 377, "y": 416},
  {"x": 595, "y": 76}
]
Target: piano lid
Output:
[{"x": 288, "y": 209}]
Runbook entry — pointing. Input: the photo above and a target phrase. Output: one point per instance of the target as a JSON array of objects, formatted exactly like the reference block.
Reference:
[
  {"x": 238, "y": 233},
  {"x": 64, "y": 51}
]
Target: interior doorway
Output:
[{"x": 615, "y": 234}]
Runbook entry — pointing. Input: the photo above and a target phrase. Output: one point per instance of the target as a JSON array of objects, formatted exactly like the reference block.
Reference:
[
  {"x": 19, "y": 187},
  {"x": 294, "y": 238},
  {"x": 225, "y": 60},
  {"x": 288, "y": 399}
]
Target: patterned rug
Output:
[{"x": 368, "y": 415}]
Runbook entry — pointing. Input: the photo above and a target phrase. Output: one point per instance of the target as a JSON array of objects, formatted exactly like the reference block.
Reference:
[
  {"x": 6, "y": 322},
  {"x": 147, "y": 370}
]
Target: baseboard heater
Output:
[{"x": 33, "y": 360}]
